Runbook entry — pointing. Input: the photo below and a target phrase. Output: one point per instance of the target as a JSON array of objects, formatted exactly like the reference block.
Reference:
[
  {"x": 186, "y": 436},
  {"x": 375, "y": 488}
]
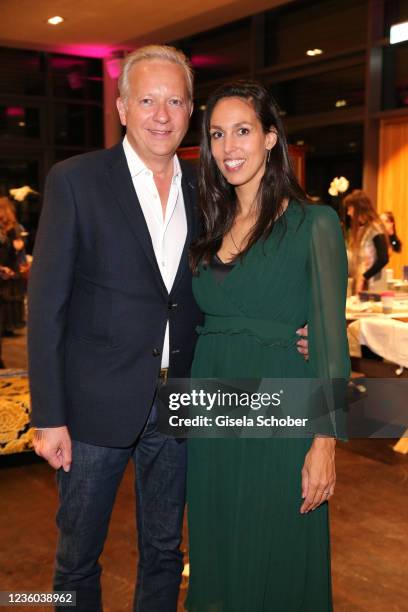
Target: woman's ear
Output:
[{"x": 271, "y": 138}]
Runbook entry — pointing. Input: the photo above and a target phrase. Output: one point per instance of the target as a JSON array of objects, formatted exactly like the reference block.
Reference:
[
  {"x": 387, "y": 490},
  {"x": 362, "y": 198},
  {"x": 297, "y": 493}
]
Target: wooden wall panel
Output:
[{"x": 393, "y": 182}]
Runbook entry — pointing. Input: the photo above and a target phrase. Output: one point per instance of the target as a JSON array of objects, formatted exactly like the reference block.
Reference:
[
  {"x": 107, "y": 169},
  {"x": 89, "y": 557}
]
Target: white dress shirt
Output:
[{"x": 169, "y": 233}]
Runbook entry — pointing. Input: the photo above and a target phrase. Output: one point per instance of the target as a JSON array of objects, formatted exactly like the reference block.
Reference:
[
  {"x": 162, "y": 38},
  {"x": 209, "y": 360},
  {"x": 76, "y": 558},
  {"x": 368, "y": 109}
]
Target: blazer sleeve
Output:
[{"x": 49, "y": 291}]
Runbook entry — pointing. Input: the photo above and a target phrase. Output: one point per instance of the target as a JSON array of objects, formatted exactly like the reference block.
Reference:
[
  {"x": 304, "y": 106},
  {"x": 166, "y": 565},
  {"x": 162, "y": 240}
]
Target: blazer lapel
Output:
[
  {"x": 125, "y": 194},
  {"x": 189, "y": 197}
]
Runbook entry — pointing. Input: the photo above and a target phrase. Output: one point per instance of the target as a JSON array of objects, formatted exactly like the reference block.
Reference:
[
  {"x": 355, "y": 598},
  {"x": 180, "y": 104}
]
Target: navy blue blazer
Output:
[{"x": 98, "y": 306}]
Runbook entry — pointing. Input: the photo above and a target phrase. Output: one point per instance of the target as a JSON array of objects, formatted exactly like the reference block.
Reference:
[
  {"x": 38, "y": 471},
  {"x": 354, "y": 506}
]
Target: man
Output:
[
  {"x": 111, "y": 313},
  {"x": 110, "y": 309}
]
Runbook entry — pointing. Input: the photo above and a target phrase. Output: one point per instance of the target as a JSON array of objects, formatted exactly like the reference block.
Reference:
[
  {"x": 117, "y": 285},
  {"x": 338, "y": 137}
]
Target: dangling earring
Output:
[{"x": 268, "y": 156}]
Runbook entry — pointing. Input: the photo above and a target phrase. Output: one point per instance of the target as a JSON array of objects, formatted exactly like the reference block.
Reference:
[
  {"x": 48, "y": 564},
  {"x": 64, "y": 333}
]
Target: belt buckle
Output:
[{"x": 164, "y": 374}]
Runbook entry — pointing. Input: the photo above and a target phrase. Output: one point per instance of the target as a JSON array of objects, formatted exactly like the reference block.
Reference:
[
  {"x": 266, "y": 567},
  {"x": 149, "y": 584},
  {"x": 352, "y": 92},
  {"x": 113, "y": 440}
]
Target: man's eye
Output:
[
  {"x": 146, "y": 101},
  {"x": 215, "y": 135},
  {"x": 243, "y": 131},
  {"x": 176, "y": 102}
]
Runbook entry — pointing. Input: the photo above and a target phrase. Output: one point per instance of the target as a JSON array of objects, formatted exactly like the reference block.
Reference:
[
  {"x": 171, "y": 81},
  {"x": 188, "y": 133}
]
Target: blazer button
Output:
[
  {"x": 155, "y": 352},
  {"x": 171, "y": 305}
]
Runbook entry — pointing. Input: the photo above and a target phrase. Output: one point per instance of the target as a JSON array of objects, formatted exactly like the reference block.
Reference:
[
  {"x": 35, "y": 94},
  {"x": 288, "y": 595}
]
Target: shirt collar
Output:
[{"x": 137, "y": 166}]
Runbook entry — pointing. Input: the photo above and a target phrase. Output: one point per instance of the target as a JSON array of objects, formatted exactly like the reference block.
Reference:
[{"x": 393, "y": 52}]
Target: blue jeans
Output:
[{"x": 87, "y": 494}]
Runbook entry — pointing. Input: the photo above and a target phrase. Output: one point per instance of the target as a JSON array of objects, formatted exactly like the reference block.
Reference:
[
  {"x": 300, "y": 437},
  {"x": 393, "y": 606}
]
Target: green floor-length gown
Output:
[{"x": 250, "y": 548}]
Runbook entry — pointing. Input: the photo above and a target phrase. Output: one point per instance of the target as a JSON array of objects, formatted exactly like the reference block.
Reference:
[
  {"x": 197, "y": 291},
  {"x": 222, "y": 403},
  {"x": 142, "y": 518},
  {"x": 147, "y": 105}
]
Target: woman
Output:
[
  {"x": 388, "y": 220},
  {"x": 7, "y": 271},
  {"x": 367, "y": 241},
  {"x": 267, "y": 263},
  {"x": 14, "y": 288}
]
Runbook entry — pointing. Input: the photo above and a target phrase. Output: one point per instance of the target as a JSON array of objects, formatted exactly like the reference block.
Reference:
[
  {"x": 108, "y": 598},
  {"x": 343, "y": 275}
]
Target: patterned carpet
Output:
[{"x": 15, "y": 431}]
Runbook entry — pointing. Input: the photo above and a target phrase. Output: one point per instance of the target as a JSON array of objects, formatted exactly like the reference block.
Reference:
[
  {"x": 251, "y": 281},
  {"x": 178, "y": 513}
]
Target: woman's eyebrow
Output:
[{"x": 218, "y": 127}]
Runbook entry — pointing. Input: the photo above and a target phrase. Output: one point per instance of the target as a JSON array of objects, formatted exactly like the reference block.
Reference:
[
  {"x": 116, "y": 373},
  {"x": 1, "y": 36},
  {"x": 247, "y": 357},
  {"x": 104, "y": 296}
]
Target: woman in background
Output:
[
  {"x": 14, "y": 288},
  {"x": 367, "y": 244},
  {"x": 268, "y": 262},
  {"x": 7, "y": 267},
  {"x": 388, "y": 220}
]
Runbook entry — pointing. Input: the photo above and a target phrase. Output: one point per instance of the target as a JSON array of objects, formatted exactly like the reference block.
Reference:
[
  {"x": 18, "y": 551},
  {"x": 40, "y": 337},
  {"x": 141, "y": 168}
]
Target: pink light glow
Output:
[
  {"x": 98, "y": 51},
  {"x": 114, "y": 65},
  {"x": 65, "y": 63},
  {"x": 205, "y": 61},
  {"x": 15, "y": 111}
]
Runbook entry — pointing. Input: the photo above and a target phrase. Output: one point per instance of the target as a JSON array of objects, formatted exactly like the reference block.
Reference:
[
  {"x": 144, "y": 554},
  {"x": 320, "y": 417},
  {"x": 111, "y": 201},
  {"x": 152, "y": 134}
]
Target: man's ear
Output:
[{"x": 121, "y": 106}]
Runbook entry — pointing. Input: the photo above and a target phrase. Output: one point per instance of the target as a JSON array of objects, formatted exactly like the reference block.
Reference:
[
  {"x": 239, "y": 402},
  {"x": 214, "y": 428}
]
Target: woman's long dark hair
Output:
[
  {"x": 363, "y": 216},
  {"x": 218, "y": 201}
]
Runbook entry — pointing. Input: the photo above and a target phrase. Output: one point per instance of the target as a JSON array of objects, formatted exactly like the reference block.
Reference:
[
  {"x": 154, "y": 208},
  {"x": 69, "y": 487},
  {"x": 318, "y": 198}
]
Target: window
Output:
[
  {"x": 333, "y": 150},
  {"x": 76, "y": 77},
  {"x": 19, "y": 122},
  {"x": 329, "y": 25},
  {"x": 78, "y": 125},
  {"x": 22, "y": 72},
  {"x": 219, "y": 53},
  {"x": 395, "y": 76},
  {"x": 329, "y": 91}
]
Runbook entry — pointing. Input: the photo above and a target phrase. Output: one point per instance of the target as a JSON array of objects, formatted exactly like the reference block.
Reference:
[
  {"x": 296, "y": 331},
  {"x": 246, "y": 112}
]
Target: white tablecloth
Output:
[{"x": 386, "y": 337}]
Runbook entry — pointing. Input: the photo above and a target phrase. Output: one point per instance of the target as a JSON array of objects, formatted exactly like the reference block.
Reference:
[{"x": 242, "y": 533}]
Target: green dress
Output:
[{"x": 250, "y": 548}]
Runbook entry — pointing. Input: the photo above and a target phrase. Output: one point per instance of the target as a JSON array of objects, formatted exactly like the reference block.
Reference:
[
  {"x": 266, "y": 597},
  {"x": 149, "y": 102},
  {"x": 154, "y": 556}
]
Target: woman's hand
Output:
[{"x": 318, "y": 474}]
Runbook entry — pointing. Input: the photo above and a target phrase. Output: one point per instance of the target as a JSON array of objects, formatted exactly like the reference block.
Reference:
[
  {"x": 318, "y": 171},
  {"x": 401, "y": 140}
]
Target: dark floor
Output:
[{"x": 369, "y": 524}]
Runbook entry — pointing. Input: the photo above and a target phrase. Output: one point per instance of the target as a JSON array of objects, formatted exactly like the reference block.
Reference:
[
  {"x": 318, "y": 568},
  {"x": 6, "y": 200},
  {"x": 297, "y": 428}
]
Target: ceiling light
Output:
[
  {"x": 21, "y": 123},
  {"x": 340, "y": 103},
  {"x": 56, "y": 20},
  {"x": 203, "y": 107},
  {"x": 313, "y": 52},
  {"x": 300, "y": 143},
  {"x": 399, "y": 32}
]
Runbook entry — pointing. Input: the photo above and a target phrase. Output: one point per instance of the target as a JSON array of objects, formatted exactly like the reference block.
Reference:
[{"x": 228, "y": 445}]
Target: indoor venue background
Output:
[{"x": 342, "y": 91}]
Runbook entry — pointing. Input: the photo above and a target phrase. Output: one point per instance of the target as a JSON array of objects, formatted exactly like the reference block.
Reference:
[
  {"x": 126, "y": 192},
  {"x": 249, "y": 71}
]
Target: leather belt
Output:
[{"x": 164, "y": 374}]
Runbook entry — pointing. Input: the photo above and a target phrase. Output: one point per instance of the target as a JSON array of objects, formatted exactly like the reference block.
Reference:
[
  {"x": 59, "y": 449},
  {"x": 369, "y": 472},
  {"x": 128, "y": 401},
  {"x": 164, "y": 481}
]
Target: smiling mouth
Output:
[
  {"x": 234, "y": 164},
  {"x": 160, "y": 132}
]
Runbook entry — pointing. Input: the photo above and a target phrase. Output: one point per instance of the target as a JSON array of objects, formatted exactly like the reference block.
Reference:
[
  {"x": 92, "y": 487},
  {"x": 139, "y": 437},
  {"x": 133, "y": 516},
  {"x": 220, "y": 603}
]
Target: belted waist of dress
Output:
[{"x": 265, "y": 331}]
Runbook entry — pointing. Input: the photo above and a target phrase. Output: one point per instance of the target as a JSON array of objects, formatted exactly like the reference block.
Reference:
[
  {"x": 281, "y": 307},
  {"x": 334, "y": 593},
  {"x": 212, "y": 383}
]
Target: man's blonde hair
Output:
[{"x": 155, "y": 52}]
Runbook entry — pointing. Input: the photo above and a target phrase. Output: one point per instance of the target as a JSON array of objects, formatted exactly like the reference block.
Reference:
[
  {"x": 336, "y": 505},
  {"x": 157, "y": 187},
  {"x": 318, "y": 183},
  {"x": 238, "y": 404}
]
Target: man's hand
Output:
[
  {"x": 303, "y": 343},
  {"x": 54, "y": 445},
  {"x": 318, "y": 474}
]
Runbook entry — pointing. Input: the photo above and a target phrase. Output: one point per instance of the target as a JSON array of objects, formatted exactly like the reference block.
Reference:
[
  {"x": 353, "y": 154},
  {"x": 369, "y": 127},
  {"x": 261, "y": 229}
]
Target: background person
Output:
[
  {"x": 388, "y": 220},
  {"x": 367, "y": 244},
  {"x": 14, "y": 289},
  {"x": 6, "y": 274}
]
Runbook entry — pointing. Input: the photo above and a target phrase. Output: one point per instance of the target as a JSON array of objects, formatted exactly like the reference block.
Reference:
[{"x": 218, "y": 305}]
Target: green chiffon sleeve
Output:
[{"x": 328, "y": 347}]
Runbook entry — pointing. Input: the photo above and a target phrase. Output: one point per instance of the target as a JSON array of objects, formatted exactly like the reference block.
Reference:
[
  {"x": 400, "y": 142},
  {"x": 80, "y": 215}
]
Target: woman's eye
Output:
[
  {"x": 243, "y": 131},
  {"x": 215, "y": 135}
]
